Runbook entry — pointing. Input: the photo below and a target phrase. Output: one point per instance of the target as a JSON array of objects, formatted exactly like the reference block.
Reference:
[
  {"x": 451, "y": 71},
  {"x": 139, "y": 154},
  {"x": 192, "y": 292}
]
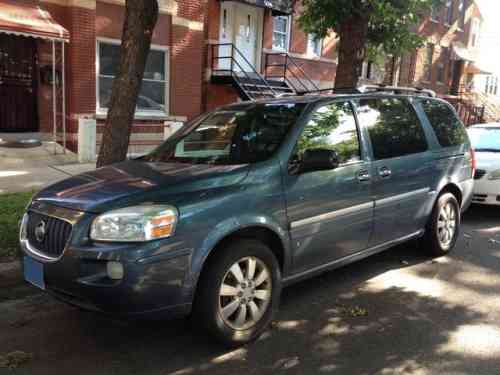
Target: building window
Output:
[
  {"x": 281, "y": 31},
  {"x": 487, "y": 85},
  {"x": 435, "y": 10},
  {"x": 475, "y": 30},
  {"x": 441, "y": 67},
  {"x": 461, "y": 14},
  {"x": 153, "y": 95},
  {"x": 440, "y": 72},
  {"x": 429, "y": 55},
  {"x": 314, "y": 45},
  {"x": 368, "y": 74},
  {"x": 449, "y": 12}
]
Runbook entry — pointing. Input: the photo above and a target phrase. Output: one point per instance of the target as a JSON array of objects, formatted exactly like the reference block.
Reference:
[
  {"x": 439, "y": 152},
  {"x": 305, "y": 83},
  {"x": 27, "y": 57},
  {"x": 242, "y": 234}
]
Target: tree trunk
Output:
[
  {"x": 140, "y": 20},
  {"x": 352, "y": 51}
]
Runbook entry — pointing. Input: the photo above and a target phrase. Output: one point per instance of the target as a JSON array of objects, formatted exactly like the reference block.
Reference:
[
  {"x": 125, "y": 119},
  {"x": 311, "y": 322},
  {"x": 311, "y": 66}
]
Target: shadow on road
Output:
[{"x": 397, "y": 312}]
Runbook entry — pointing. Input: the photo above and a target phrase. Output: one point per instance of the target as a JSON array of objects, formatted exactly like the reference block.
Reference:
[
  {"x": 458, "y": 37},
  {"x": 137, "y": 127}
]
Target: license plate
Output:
[{"x": 33, "y": 272}]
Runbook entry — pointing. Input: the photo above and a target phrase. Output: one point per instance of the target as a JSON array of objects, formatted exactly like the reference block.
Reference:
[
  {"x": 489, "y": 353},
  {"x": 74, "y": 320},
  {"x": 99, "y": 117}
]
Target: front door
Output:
[
  {"x": 330, "y": 212},
  {"x": 241, "y": 25},
  {"x": 402, "y": 168},
  {"x": 18, "y": 112}
]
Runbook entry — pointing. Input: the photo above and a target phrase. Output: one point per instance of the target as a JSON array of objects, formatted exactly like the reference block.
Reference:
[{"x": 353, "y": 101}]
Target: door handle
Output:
[
  {"x": 364, "y": 175},
  {"x": 384, "y": 172}
]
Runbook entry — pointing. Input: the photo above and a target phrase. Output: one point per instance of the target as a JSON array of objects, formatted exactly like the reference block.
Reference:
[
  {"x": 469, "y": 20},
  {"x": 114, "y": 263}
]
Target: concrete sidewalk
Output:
[{"x": 31, "y": 169}]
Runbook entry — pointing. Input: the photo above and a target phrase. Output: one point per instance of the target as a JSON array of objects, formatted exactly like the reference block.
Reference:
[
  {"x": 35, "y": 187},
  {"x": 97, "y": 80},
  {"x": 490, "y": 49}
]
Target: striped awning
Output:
[{"x": 28, "y": 18}]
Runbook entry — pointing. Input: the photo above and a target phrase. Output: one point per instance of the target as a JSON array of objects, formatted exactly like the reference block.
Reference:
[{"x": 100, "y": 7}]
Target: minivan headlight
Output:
[
  {"x": 495, "y": 175},
  {"x": 135, "y": 224}
]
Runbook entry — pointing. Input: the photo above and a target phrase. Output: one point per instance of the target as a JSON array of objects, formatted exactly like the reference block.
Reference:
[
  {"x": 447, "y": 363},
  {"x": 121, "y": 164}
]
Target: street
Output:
[{"x": 394, "y": 313}]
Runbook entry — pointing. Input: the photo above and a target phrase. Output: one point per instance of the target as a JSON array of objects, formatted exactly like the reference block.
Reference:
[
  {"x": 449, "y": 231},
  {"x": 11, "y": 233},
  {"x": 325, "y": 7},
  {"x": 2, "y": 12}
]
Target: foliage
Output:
[
  {"x": 390, "y": 22},
  {"x": 11, "y": 211},
  {"x": 325, "y": 131}
]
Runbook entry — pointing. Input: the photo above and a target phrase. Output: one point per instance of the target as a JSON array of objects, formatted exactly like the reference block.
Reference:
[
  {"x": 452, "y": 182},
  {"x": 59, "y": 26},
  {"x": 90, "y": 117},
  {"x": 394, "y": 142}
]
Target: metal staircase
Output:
[{"x": 230, "y": 66}]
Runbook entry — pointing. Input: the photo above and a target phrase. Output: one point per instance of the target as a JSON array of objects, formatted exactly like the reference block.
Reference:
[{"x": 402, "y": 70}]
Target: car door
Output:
[
  {"x": 402, "y": 166},
  {"x": 330, "y": 211}
]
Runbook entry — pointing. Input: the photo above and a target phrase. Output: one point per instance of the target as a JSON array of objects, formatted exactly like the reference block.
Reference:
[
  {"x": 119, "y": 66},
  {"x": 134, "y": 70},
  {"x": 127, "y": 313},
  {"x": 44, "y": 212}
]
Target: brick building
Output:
[
  {"x": 447, "y": 62},
  {"x": 185, "y": 71},
  {"x": 204, "y": 54}
]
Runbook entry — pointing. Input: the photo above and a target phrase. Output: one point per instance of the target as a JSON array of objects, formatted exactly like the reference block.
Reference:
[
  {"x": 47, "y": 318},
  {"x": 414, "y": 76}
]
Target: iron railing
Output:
[
  {"x": 280, "y": 65},
  {"x": 239, "y": 67}
]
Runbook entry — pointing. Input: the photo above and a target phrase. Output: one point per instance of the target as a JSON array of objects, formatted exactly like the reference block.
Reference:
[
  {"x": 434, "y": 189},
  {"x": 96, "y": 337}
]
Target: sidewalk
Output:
[{"x": 31, "y": 169}]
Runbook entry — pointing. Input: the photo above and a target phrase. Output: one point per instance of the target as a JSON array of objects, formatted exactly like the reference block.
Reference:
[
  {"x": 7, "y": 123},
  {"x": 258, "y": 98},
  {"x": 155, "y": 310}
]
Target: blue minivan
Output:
[{"x": 248, "y": 199}]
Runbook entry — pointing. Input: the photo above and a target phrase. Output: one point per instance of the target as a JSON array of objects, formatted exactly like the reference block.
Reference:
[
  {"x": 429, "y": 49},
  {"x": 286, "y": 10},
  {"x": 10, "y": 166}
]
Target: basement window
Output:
[{"x": 153, "y": 98}]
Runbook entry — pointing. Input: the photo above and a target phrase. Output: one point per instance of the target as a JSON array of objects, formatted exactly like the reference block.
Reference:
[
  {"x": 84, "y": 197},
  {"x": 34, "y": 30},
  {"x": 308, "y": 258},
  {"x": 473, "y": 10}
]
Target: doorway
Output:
[
  {"x": 241, "y": 25},
  {"x": 18, "y": 84}
]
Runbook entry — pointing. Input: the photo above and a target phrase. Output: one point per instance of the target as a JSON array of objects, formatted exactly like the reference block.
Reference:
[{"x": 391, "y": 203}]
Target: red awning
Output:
[{"x": 28, "y": 18}]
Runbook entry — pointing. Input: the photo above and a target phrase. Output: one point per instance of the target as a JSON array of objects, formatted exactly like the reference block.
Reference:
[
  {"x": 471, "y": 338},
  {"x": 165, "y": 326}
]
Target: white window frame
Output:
[
  {"x": 139, "y": 114},
  {"x": 287, "y": 33},
  {"x": 475, "y": 31},
  {"x": 310, "y": 47}
]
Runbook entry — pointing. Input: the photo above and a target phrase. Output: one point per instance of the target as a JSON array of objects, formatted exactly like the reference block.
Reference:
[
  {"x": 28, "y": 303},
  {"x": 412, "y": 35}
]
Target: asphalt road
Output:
[{"x": 395, "y": 313}]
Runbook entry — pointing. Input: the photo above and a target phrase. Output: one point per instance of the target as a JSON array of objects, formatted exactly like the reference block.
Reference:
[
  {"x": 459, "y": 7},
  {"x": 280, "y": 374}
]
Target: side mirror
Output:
[{"x": 319, "y": 160}]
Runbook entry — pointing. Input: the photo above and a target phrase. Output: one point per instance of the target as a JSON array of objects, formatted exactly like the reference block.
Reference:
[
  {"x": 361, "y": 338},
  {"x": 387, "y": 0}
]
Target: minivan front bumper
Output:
[{"x": 156, "y": 279}]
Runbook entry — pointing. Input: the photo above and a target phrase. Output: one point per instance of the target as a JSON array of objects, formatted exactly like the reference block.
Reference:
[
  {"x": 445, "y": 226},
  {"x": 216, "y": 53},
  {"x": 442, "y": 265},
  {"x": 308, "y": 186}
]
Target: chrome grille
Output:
[{"x": 56, "y": 234}]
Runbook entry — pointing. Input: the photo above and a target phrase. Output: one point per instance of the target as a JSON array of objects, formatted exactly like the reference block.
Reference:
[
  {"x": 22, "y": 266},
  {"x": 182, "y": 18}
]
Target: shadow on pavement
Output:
[{"x": 397, "y": 312}]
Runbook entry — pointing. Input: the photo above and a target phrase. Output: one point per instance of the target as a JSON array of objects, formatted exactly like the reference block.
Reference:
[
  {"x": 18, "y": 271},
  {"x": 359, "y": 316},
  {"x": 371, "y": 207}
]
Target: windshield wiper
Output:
[{"x": 487, "y": 150}]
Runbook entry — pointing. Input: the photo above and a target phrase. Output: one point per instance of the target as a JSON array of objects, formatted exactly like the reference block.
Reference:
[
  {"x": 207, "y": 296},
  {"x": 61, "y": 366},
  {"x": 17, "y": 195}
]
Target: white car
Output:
[{"x": 485, "y": 140}]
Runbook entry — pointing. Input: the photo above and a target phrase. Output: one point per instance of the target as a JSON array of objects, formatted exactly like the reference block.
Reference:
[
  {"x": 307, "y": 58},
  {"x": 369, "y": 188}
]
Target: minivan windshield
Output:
[
  {"x": 485, "y": 139},
  {"x": 233, "y": 135}
]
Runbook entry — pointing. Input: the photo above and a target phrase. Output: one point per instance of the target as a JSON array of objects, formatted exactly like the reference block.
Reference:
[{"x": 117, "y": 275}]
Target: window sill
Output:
[{"x": 100, "y": 115}]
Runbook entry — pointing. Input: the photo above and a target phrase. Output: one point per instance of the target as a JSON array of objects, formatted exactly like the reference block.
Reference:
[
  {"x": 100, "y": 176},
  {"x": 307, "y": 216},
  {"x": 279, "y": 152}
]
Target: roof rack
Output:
[
  {"x": 373, "y": 88},
  {"x": 397, "y": 90}
]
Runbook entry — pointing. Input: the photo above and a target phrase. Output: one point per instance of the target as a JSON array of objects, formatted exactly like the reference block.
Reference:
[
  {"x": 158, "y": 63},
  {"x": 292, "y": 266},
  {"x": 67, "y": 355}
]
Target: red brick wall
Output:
[
  {"x": 219, "y": 95},
  {"x": 186, "y": 71},
  {"x": 442, "y": 36},
  {"x": 110, "y": 18}
]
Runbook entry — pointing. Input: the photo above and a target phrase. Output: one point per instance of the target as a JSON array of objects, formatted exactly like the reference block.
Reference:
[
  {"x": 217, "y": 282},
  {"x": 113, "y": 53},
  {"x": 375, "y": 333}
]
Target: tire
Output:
[
  {"x": 441, "y": 234},
  {"x": 213, "y": 303}
]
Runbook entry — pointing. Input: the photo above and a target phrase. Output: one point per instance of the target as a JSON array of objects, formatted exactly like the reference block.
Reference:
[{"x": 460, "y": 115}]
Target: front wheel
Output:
[
  {"x": 443, "y": 227},
  {"x": 238, "y": 292}
]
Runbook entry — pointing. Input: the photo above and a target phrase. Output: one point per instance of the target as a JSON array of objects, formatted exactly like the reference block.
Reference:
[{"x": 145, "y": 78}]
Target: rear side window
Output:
[
  {"x": 448, "y": 128},
  {"x": 393, "y": 126}
]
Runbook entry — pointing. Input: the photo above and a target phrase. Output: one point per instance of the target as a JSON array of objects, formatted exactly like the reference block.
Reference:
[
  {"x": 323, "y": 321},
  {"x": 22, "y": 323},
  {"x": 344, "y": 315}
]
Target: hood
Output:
[
  {"x": 135, "y": 182},
  {"x": 489, "y": 161}
]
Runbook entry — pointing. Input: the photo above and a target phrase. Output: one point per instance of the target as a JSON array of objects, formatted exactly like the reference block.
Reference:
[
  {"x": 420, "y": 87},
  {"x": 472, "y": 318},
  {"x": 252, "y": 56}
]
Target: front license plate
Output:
[{"x": 33, "y": 272}]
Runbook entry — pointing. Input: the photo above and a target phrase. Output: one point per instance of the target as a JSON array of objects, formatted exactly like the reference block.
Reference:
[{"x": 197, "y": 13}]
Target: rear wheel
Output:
[
  {"x": 238, "y": 292},
  {"x": 443, "y": 227}
]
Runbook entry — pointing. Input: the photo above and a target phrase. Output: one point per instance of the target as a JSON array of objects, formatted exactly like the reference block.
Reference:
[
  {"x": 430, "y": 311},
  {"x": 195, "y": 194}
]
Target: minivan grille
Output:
[
  {"x": 57, "y": 233},
  {"x": 479, "y": 174}
]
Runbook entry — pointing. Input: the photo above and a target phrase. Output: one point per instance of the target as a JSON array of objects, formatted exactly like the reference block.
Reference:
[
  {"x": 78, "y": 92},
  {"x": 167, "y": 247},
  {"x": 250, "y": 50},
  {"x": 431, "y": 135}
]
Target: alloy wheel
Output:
[
  {"x": 447, "y": 224},
  {"x": 245, "y": 293}
]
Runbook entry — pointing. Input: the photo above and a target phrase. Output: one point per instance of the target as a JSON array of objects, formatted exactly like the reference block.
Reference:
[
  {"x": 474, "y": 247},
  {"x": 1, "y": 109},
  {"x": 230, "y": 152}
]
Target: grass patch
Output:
[{"x": 11, "y": 211}]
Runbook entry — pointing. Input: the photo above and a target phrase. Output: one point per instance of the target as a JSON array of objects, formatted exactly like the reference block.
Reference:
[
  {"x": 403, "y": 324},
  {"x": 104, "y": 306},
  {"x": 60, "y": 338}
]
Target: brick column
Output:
[{"x": 80, "y": 62}]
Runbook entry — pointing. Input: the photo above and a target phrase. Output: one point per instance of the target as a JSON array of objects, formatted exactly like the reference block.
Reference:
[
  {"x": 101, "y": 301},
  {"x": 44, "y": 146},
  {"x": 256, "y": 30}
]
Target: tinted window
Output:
[
  {"x": 393, "y": 126},
  {"x": 448, "y": 128},
  {"x": 332, "y": 127},
  {"x": 235, "y": 135}
]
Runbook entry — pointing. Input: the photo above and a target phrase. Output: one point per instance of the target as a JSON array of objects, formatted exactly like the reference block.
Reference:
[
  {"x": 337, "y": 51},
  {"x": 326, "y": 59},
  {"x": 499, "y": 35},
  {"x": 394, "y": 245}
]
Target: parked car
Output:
[
  {"x": 248, "y": 199},
  {"x": 485, "y": 140}
]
